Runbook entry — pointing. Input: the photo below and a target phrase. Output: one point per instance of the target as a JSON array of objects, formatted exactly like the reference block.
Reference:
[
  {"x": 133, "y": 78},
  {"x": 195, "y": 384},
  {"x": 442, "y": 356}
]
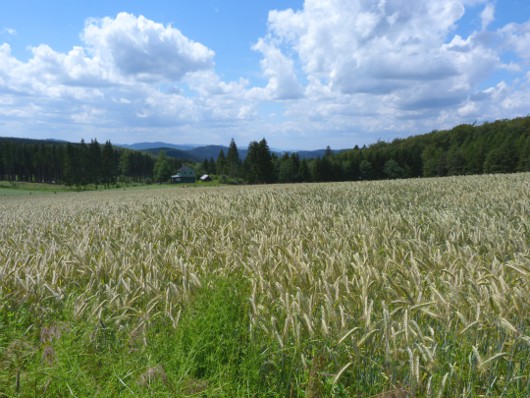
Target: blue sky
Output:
[{"x": 302, "y": 74}]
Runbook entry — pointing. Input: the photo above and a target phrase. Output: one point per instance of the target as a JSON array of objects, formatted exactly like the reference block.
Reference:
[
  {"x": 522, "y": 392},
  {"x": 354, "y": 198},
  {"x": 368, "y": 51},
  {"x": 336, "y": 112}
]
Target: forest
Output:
[
  {"x": 75, "y": 164},
  {"x": 502, "y": 146},
  {"x": 499, "y": 147}
]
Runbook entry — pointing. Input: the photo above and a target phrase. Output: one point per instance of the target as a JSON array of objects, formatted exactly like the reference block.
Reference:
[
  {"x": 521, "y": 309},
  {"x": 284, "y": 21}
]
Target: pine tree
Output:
[
  {"x": 258, "y": 164},
  {"x": 125, "y": 163},
  {"x": 233, "y": 164},
  {"x": 287, "y": 169},
  {"x": 108, "y": 166},
  {"x": 70, "y": 166},
  {"x": 211, "y": 166},
  {"x": 221, "y": 163},
  {"x": 94, "y": 163},
  {"x": 303, "y": 171}
]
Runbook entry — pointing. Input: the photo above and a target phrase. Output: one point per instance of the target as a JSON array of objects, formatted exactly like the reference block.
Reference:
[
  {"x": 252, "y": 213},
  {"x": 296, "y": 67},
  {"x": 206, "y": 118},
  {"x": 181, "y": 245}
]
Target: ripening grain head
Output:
[{"x": 404, "y": 271}]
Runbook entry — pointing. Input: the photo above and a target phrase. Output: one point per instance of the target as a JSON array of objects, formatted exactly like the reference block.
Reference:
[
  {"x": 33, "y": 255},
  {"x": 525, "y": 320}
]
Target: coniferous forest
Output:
[
  {"x": 498, "y": 147},
  {"x": 75, "y": 164}
]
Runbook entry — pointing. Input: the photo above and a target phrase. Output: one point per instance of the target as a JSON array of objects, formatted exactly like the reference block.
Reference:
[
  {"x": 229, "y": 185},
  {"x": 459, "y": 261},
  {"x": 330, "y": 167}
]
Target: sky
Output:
[{"x": 304, "y": 74}]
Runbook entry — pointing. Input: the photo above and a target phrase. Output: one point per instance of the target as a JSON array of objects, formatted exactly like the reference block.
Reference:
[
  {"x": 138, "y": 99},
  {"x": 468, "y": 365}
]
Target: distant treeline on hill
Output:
[
  {"x": 499, "y": 147},
  {"x": 74, "y": 164}
]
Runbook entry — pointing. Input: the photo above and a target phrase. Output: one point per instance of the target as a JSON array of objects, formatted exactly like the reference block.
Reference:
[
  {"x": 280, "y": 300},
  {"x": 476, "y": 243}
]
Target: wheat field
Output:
[{"x": 405, "y": 288}]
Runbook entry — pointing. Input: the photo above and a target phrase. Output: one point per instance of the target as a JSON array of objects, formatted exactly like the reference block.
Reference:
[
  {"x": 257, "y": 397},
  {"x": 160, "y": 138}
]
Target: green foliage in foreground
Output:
[
  {"x": 212, "y": 353},
  {"x": 388, "y": 289}
]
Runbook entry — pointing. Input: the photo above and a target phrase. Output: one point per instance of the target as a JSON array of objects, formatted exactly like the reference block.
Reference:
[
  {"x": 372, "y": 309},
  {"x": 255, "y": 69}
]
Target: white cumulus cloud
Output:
[
  {"x": 337, "y": 72},
  {"x": 144, "y": 49},
  {"x": 113, "y": 83},
  {"x": 279, "y": 69},
  {"x": 374, "y": 65}
]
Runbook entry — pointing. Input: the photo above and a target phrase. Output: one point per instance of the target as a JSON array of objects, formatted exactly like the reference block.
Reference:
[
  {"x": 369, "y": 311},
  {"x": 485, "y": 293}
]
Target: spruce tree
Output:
[
  {"x": 94, "y": 162},
  {"x": 221, "y": 163},
  {"x": 233, "y": 164},
  {"x": 258, "y": 164},
  {"x": 108, "y": 166}
]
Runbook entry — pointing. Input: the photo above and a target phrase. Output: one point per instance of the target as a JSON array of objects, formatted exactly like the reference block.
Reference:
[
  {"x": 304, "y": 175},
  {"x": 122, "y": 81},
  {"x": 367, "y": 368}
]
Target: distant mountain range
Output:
[
  {"x": 197, "y": 153},
  {"x": 142, "y": 146},
  {"x": 185, "y": 152}
]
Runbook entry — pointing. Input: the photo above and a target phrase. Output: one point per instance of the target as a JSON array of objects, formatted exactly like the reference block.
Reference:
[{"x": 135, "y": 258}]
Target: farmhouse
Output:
[
  {"x": 206, "y": 178},
  {"x": 184, "y": 174}
]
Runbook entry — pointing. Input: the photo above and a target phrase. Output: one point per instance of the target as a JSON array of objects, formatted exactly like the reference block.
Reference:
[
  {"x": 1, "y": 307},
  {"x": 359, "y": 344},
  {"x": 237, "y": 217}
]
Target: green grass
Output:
[
  {"x": 28, "y": 188},
  {"x": 211, "y": 352},
  {"x": 12, "y": 188}
]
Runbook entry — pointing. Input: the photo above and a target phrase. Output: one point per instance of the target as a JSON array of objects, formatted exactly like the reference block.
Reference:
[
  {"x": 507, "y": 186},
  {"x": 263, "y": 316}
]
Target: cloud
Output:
[
  {"x": 10, "y": 31},
  {"x": 117, "y": 51},
  {"x": 359, "y": 47},
  {"x": 395, "y": 60},
  {"x": 335, "y": 72},
  {"x": 487, "y": 16},
  {"x": 279, "y": 69},
  {"x": 112, "y": 83},
  {"x": 516, "y": 37},
  {"x": 144, "y": 49}
]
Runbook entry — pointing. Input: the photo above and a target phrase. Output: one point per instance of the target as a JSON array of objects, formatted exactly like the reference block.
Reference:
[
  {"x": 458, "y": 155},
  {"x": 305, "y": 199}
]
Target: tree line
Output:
[
  {"x": 74, "y": 164},
  {"x": 499, "y": 147}
]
